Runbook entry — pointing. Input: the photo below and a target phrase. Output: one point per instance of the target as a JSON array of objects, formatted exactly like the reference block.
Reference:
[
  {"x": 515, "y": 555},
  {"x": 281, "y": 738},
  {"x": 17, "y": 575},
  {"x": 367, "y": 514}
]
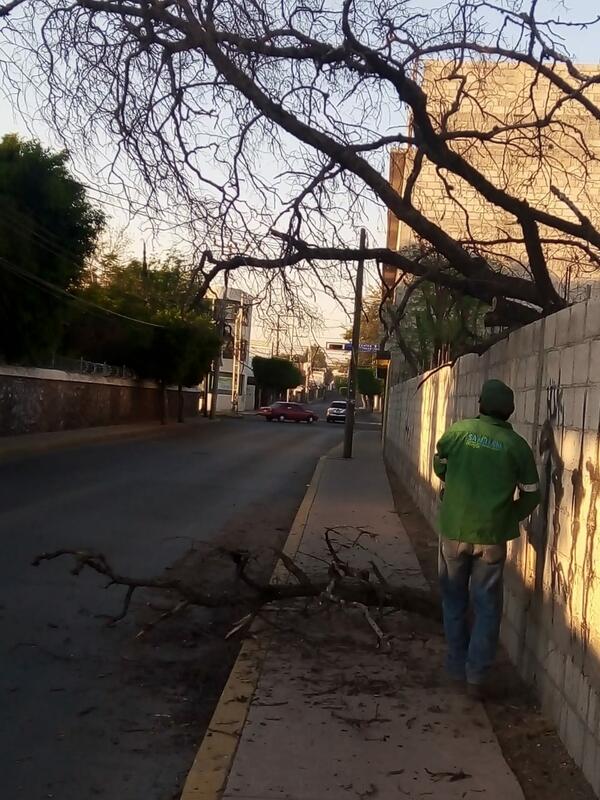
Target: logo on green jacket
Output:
[{"x": 478, "y": 440}]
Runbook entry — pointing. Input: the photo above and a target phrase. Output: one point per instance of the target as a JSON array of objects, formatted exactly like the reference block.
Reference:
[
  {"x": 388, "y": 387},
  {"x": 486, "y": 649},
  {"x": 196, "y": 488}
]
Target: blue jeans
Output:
[{"x": 471, "y": 571}]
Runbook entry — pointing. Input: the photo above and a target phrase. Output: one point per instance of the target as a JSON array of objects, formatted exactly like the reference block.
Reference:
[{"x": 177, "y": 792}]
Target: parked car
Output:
[
  {"x": 288, "y": 411},
  {"x": 337, "y": 411}
]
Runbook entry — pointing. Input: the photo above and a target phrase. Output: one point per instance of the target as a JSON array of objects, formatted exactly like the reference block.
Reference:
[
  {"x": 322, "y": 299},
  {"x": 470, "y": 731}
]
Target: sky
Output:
[{"x": 583, "y": 44}]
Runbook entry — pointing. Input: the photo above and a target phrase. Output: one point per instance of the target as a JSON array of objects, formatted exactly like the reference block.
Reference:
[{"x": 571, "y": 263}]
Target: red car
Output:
[{"x": 288, "y": 411}]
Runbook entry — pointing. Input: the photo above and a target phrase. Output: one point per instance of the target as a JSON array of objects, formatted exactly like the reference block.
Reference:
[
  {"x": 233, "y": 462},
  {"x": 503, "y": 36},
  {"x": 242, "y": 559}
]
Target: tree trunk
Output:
[
  {"x": 164, "y": 405},
  {"x": 180, "y": 403}
]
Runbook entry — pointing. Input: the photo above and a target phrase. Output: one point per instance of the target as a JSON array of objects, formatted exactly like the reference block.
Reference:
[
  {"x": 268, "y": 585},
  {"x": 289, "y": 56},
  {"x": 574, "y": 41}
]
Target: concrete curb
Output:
[{"x": 212, "y": 764}]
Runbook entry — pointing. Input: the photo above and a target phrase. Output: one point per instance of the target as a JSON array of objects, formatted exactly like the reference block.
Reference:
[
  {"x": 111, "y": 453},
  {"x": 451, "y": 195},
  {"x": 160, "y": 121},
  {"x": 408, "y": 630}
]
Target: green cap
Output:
[{"x": 497, "y": 399}]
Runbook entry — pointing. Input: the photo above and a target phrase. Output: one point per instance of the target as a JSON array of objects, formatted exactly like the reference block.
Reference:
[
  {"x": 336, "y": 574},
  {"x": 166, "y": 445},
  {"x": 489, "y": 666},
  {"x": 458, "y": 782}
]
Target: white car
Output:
[{"x": 337, "y": 411}]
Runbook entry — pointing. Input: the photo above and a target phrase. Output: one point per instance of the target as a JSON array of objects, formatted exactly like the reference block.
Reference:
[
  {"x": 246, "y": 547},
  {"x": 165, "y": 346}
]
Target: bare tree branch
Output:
[{"x": 242, "y": 117}]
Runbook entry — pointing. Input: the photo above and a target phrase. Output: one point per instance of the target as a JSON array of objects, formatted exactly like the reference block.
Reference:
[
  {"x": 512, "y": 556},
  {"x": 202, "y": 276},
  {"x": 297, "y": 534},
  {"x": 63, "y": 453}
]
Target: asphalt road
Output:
[{"x": 92, "y": 711}]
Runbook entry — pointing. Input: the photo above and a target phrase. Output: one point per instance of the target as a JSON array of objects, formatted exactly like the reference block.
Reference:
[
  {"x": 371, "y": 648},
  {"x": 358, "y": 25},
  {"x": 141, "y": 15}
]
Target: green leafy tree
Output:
[
  {"x": 275, "y": 375},
  {"x": 47, "y": 231},
  {"x": 438, "y": 324},
  {"x": 174, "y": 346},
  {"x": 368, "y": 385}
]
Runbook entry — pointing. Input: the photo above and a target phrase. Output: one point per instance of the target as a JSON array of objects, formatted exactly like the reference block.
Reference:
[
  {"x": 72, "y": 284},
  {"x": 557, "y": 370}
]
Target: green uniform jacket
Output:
[{"x": 483, "y": 463}]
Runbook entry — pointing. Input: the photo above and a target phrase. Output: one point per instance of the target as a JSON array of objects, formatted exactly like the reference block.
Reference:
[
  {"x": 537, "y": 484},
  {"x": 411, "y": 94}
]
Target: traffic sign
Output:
[
  {"x": 346, "y": 347},
  {"x": 343, "y": 346}
]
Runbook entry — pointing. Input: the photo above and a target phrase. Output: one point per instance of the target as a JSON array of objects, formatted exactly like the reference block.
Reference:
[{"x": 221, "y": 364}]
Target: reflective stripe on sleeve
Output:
[{"x": 529, "y": 487}]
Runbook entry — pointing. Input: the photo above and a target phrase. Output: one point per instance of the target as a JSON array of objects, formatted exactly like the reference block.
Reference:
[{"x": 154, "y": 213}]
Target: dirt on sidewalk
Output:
[{"x": 529, "y": 742}]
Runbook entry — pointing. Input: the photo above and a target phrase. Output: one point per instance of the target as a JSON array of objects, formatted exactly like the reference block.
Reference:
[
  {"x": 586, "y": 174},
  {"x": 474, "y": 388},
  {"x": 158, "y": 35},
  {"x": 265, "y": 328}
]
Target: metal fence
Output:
[{"x": 83, "y": 367}]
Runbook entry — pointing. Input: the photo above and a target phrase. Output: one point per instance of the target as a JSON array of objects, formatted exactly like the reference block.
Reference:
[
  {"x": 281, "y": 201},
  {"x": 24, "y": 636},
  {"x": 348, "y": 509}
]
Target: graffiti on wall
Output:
[
  {"x": 555, "y": 410},
  {"x": 565, "y": 571}
]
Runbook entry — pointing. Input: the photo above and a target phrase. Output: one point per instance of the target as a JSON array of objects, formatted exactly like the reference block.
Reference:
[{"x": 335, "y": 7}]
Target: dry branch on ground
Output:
[{"x": 342, "y": 585}]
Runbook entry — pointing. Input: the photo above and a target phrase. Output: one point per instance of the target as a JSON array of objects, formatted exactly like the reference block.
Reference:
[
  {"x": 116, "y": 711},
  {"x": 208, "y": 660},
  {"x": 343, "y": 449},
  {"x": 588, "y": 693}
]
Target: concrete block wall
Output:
[
  {"x": 44, "y": 400},
  {"x": 551, "y": 625}
]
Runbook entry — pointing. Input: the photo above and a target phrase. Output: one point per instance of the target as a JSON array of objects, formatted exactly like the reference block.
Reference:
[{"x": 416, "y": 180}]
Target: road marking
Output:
[{"x": 208, "y": 775}]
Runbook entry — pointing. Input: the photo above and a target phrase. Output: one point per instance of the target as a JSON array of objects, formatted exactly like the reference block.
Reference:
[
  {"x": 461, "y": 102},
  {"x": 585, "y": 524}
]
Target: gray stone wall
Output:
[
  {"x": 552, "y": 603},
  {"x": 39, "y": 400}
]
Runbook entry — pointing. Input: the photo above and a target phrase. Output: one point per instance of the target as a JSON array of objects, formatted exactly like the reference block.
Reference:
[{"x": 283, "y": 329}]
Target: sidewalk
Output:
[{"x": 323, "y": 713}]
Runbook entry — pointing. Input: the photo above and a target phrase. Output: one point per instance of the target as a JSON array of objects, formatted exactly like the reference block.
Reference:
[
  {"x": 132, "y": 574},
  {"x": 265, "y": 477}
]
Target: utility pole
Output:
[
  {"x": 353, "y": 366},
  {"x": 217, "y": 368},
  {"x": 237, "y": 358}
]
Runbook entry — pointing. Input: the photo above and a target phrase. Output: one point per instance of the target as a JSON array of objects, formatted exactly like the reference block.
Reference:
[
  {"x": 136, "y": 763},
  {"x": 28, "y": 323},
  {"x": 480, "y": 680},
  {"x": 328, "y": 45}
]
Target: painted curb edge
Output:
[{"x": 210, "y": 769}]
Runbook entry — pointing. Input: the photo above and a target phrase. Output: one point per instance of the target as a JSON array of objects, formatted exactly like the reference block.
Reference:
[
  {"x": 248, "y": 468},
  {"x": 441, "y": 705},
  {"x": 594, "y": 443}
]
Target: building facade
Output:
[
  {"x": 517, "y": 130},
  {"x": 236, "y": 388}
]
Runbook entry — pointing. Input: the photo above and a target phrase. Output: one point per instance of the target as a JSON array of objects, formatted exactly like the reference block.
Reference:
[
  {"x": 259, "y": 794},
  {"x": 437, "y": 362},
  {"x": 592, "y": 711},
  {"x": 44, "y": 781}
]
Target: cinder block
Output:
[
  {"x": 567, "y": 358},
  {"x": 571, "y": 407},
  {"x": 577, "y": 322},
  {"x": 528, "y": 666},
  {"x": 552, "y": 367},
  {"x": 531, "y": 375},
  {"x": 514, "y": 610},
  {"x": 530, "y": 406},
  {"x": 590, "y": 756},
  {"x": 592, "y": 318},
  {"x": 570, "y": 449},
  {"x": 537, "y": 333},
  {"x": 498, "y": 352},
  {"x": 592, "y": 409},
  {"x": 583, "y": 698},
  {"x": 525, "y": 430},
  {"x": 574, "y": 735},
  {"x": 556, "y": 668},
  {"x": 572, "y": 684},
  {"x": 524, "y": 340},
  {"x": 593, "y": 718},
  {"x": 579, "y": 407},
  {"x": 542, "y": 645},
  {"x": 561, "y": 716},
  {"x": 550, "y": 698},
  {"x": 521, "y": 380},
  {"x": 516, "y": 344},
  {"x": 469, "y": 362},
  {"x": 520, "y": 398},
  {"x": 550, "y": 326},
  {"x": 581, "y": 362},
  {"x": 563, "y": 336},
  {"x": 594, "y": 370}
]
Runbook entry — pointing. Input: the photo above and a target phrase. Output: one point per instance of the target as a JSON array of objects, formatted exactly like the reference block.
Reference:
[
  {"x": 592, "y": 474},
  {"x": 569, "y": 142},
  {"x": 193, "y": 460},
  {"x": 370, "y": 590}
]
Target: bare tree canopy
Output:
[{"x": 272, "y": 123}]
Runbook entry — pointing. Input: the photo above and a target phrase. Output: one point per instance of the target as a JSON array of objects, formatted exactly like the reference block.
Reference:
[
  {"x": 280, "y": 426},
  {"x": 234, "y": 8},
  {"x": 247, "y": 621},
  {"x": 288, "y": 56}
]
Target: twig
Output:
[
  {"x": 181, "y": 606},
  {"x": 294, "y": 569}
]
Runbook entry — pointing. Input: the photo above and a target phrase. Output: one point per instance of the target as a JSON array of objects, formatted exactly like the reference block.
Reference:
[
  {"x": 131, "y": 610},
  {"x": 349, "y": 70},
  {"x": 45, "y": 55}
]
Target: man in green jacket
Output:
[{"x": 490, "y": 485}]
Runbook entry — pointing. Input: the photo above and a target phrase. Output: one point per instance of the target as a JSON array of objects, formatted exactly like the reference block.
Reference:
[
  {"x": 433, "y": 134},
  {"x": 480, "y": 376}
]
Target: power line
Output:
[
  {"x": 46, "y": 238},
  {"x": 52, "y": 288}
]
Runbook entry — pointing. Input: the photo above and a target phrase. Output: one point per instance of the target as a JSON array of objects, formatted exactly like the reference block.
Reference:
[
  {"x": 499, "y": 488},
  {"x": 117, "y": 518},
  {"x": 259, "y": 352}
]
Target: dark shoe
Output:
[{"x": 476, "y": 692}]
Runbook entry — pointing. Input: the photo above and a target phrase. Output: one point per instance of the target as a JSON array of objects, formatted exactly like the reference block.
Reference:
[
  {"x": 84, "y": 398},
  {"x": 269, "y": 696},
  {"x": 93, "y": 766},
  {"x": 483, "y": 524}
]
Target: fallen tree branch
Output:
[{"x": 342, "y": 585}]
